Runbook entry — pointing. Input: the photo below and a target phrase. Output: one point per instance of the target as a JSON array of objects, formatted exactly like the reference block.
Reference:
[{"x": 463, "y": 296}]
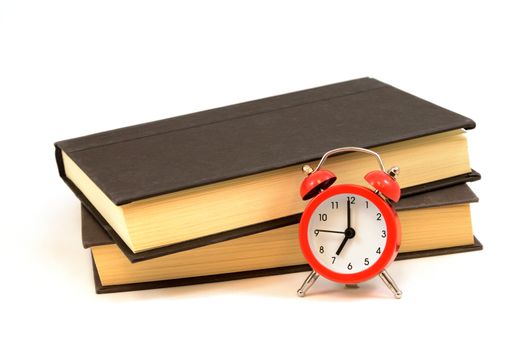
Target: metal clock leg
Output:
[
  {"x": 313, "y": 276},
  {"x": 390, "y": 283}
]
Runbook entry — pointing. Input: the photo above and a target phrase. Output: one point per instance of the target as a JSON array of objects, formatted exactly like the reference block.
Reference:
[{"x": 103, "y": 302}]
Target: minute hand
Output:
[
  {"x": 348, "y": 214},
  {"x": 318, "y": 231}
]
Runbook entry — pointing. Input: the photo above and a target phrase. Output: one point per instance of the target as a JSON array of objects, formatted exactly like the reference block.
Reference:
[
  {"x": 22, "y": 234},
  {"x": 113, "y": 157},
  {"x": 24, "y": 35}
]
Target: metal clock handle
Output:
[{"x": 350, "y": 149}]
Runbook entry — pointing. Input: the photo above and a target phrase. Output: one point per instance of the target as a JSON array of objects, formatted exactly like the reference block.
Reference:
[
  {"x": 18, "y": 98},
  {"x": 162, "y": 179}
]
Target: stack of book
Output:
[{"x": 214, "y": 195}]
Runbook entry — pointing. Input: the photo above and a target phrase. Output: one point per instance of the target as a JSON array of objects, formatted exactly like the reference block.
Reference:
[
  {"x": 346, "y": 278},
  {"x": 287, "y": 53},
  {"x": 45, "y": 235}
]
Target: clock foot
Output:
[
  {"x": 313, "y": 276},
  {"x": 352, "y": 286},
  {"x": 390, "y": 283}
]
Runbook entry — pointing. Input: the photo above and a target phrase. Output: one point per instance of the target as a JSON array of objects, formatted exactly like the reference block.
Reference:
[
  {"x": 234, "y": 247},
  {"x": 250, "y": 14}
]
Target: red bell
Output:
[
  {"x": 384, "y": 183},
  {"x": 315, "y": 183}
]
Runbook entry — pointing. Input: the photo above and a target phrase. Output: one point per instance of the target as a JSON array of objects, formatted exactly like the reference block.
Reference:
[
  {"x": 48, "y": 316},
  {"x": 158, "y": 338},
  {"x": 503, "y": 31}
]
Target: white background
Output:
[{"x": 72, "y": 68}]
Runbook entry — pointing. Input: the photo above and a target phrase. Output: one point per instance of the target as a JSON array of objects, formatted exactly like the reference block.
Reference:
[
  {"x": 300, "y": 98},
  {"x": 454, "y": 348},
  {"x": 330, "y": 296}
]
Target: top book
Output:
[{"x": 150, "y": 161}]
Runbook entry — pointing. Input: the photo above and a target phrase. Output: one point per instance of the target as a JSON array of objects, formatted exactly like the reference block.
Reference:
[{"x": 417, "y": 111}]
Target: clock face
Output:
[{"x": 349, "y": 234}]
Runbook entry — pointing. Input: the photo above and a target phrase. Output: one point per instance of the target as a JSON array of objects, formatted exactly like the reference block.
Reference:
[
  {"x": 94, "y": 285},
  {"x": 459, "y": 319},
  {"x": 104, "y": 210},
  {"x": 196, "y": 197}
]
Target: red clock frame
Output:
[{"x": 392, "y": 243}]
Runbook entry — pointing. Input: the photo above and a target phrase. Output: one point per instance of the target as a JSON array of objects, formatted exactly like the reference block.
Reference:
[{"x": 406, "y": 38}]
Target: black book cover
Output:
[{"x": 169, "y": 155}]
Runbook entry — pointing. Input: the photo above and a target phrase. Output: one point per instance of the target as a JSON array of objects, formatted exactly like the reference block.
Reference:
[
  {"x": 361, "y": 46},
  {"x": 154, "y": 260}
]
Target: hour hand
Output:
[
  {"x": 330, "y": 231},
  {"x": 340, "y": 248}
]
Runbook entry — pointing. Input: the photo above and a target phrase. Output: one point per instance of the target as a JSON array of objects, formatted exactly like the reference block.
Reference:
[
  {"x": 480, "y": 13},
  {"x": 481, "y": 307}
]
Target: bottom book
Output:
[
  {"x": 433, "y": 223},
  {"x": 179, "y": 282}
]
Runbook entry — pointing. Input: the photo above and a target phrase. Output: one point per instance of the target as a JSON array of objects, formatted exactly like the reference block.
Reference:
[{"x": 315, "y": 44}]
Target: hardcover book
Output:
[
  {"x": 252, "y": 229},
  {"x": 433, "y": 223},
  {"x": 240, "y": 165}
]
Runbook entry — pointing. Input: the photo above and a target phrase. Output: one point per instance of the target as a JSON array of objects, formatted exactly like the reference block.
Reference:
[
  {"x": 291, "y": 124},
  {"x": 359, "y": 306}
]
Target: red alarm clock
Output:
[{"x": 349, "y": 233}]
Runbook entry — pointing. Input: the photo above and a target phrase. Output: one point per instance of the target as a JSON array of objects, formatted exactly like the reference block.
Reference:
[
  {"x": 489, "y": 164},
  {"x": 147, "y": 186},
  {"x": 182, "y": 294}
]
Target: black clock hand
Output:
[
  {"x": 318, "y": 231},
  {"x": 349, "y": 231},
  {"x": 348, "y": 213},
  {"x": 340, "y": 248}
]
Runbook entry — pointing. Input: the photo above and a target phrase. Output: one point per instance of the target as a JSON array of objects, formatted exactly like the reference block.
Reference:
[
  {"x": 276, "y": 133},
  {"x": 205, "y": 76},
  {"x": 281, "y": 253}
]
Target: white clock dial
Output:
[{"x": 346, "y": 243}]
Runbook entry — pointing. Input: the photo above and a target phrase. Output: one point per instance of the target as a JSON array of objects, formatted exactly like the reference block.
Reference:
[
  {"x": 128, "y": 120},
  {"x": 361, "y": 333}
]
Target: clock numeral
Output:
[
  {"x": 323, "y": 217},
  {"x": 378, "y": 217},
  {"x": 366, "y": 262},
  {"x": 378, "y": 251},
  {"x": 321, "y": 249},
  {"x": 334, "y": 205},
  {"x": 383, "y": 233},
  {"x": 367, "y": 204},
  {"x": 316, "y": 232},
  {"x": 351, "y": 199},
  {"x": 333, "y": 259},
  {"x": 349, "y": 267}
]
